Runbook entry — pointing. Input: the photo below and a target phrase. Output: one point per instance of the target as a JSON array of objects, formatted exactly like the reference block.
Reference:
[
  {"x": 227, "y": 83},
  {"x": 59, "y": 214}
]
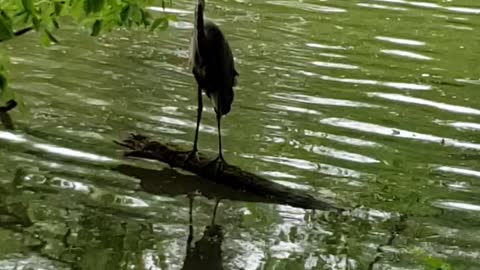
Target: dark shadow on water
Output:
[{"x": 170, "y": 182}]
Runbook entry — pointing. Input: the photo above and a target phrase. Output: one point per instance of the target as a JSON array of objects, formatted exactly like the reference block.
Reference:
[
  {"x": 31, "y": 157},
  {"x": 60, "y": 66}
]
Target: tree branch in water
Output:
[{"x": 232, "y": 176}]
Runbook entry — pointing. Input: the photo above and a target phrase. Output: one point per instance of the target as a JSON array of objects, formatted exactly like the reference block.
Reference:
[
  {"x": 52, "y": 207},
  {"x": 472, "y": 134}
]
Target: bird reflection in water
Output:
[{"x": 206, "y": 253}]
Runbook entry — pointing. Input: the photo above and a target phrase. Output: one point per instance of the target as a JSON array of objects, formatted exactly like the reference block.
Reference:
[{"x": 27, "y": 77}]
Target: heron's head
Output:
[{"x": 201, "y": 2}]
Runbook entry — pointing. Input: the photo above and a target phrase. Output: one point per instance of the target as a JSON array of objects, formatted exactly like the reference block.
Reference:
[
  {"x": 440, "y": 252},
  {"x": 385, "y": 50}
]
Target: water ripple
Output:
[
  {"x": 292, "y": 109},
  {"x": 461, "y": 125},
  {"x": 292, "y": 162},
  {"x": 70, "y": 152},
  {"x": 307, "y": 7},
  {"x": 429, "y": 5},
  {"x": 323, "y": 46},
  {"x": 334, "y": 65},
  {"x": 396, "y": 85},
  {"x": 456, "y": 170},
  {"x": 63, "y": 151},
  {"x": 311, "y": 166},
  {"x": 342, "y": 139},
  {"x": 322, "y": 101},
  {"x": 71, "y": 185},
  {"x": 455, "y": 205},
  {"x": 420, "y": 101},
  {"x": 334, "y": 153},
  {"x": 459, "y": 27},
  {"x": 401, "y": 41},
  {"x": 394, "y": 132},
  {"x": 469, "y": 81},
  {"x": 184, "y": 123},
  {"x": 464, "y": 10},
  {"x": 332, "y": 55},
  {"x": 11, "y": 137},
  {"x": 406, "y": 54},
  {"x": 377, "y": 6},
  {"x": 277, "y": 174},
  {"x": 169, "y": 10}
]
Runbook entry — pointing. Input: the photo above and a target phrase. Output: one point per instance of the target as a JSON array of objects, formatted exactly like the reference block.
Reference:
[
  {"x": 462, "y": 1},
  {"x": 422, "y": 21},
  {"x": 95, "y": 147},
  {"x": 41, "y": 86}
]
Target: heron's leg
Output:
[
  {"x": 220, "y": 155},
  {"x": 193, "y": 153},
  {"x": 215, "y": 211},
  {"x": 199, "y": 117},
  {"x": 218, "y": 163},
  {"x": 190, "y": 223}
]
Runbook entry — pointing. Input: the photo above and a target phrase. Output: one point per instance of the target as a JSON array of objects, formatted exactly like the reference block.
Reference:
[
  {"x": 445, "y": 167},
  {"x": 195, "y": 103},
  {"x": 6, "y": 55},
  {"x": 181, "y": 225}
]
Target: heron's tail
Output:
[{"x": 223, "y": 101}]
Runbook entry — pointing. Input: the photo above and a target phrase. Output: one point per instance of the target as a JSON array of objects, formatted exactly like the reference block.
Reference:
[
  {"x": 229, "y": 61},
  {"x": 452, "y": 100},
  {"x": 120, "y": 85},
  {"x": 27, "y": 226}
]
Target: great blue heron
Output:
[{"x": 213, "y": 66}]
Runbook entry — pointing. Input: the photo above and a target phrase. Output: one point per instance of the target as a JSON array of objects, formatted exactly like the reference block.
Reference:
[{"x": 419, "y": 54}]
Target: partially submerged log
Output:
[{"x": 232, "y": 176}]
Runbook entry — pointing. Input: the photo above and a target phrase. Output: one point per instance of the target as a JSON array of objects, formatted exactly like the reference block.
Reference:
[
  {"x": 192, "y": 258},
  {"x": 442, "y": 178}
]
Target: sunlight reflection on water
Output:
[{"x": 394, "y": 132}]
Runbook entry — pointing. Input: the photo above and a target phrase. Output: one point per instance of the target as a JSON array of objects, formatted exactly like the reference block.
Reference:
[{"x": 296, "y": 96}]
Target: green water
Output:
[{"x": 372, "y": 104}]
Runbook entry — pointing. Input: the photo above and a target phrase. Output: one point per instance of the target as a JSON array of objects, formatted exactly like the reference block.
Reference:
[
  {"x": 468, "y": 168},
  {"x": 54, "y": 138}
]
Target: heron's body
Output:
[{"x": 213, "y": 66}]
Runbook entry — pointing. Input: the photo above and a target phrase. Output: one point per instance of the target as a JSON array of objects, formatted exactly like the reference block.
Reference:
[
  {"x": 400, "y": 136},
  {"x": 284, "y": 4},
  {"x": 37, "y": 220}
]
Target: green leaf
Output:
[
  {"x": 27, "y": 18},
  {"x": 97, "y": 26},
  {"x": 98, "y": 5},
  {"x": 434, "y": 264},
  {"x": 28, "y": 6},
  {"x": 6, "y": 31},
  {"x": 46, "y": 38},
  {"x": 87, "y": 7},
  {"x": 146, "y": 17},
  {"x": 58, "y": 8},
  {"x": 19, "y": 19},
  {"x": 19, "y": 14},
  {"x": 161, "y": 23},
  {"x": 36, "y": 23},
  {"x": 55, "y": 23},
  {"x": 50, "y": 36},
  {"x": 125, "y": 13},
  {"x": 91, "y": 6},
  {"x": 136, "y": 14},
  {"x": 76, "y": 8}
]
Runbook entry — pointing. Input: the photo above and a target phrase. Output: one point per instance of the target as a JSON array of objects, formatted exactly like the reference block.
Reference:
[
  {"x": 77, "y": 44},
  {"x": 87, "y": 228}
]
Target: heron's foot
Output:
[
  {"x": 193, "y": 194},
  {"x": 191, "y": 155},
  {"x": 217, "y": 165}
]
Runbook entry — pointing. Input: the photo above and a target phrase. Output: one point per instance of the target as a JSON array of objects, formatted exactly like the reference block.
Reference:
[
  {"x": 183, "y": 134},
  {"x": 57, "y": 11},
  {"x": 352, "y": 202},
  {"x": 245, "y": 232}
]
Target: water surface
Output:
[{"x": 372, "y": 104}]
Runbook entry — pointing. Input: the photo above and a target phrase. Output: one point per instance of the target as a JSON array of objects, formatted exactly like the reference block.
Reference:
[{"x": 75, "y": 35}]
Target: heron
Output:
[{"x": 213, "y": 67}]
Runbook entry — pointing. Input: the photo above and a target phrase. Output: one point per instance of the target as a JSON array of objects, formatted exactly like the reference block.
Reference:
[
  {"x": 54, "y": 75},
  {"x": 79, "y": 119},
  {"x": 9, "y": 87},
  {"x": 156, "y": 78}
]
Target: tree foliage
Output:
[{"x": 18, "y": 17}]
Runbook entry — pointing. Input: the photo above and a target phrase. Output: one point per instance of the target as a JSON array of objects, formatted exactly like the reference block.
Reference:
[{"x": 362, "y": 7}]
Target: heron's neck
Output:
[{"x": 199, "y": 24}]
